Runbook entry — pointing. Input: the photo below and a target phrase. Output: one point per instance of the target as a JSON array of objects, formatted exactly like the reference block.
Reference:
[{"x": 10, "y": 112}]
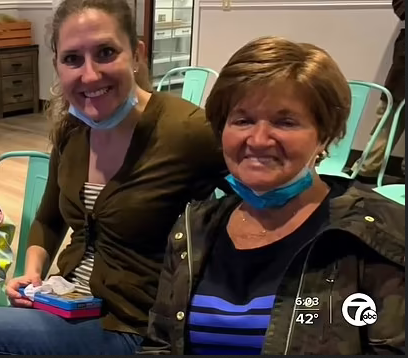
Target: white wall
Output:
[
  {"x": 359, "y": 35},
  {"x": 6, "y": 11}
]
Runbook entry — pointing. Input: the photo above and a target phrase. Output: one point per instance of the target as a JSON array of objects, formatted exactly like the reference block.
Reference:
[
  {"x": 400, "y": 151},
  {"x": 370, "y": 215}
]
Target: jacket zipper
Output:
[
  {"x": 189, "y": 249},
  {"x": 289, "y": 338},
  {"x": 330, "y": 280}
]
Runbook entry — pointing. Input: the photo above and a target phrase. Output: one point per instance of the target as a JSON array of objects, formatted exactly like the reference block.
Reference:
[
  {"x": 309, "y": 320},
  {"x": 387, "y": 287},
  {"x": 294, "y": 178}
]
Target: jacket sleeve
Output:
[
  {"x": 399, "y": 8},
  {"x": 384, "y": 282},
  {"x": 206, "y": 157},
  {"x": 49, "y": 228},
  {"x": 158, "y": 340}
]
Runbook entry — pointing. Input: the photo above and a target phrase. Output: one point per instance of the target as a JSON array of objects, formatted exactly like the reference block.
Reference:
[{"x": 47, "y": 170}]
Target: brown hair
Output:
[
  {"x": 57, "y": 109},
  {"x": 271, "y": 60}
]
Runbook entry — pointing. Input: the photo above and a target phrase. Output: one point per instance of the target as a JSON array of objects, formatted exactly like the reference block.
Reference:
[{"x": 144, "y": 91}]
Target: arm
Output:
[
  {"x": 206, "y": 155},
  {"x": 158, "y": 339},
  {"x": 49, "y": 228},
  {"x": 36, "y": 259}
]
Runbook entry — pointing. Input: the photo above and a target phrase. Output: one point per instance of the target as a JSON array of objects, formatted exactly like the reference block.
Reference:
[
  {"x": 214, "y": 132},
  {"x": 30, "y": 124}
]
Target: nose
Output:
[
  {"x": 260, "y": 136},
  {"x": 90, "y": 71}
]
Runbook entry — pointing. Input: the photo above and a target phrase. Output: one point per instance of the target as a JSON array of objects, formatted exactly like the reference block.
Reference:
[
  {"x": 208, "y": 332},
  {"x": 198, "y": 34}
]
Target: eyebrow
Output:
[
  {"x": 240, "y": 111},
  {"x": 282, "y": 112},
  {"x": 103, "y": 43},
  {"x": 286, "y": 112}
]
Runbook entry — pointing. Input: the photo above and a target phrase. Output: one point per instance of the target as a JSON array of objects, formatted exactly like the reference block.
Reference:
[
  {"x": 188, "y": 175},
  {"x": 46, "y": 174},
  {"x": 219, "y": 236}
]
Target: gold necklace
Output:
[
  {"x": 244, "y": 219},
  {"x": 264, "y": 231}
]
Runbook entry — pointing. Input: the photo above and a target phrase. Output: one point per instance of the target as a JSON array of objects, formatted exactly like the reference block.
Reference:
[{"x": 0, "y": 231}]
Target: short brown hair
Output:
[{"x": 270, "y": 60}]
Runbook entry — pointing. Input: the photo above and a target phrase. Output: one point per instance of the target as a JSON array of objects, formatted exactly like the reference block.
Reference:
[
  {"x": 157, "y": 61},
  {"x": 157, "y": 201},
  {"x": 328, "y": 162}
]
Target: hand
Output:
[{"x": 16, "y": 299}]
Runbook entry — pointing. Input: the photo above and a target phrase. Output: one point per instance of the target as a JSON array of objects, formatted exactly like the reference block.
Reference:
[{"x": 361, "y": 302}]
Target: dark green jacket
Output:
[{"x": 361, "y": 250}]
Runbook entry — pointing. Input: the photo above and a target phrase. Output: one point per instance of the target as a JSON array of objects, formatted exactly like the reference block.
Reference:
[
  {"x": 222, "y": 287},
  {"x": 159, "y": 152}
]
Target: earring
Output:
[{"x": 321, "y": 156}]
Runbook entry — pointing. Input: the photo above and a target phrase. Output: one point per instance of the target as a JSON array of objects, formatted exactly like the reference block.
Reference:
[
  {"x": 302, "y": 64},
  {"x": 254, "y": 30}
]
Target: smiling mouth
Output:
[
  {"x": 264, "y": 161},
  {"x": 95, "y": 94}
]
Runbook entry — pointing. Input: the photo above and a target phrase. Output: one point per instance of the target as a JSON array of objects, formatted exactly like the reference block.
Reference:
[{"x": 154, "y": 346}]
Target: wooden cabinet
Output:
[{"x": 19, "y": 78}]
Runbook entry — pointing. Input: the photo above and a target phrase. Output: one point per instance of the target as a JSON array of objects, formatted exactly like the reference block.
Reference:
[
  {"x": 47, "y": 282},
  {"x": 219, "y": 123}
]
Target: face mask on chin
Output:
[
  {"x": 277, "y": 197},
  {"x": 114, "y": 120}
]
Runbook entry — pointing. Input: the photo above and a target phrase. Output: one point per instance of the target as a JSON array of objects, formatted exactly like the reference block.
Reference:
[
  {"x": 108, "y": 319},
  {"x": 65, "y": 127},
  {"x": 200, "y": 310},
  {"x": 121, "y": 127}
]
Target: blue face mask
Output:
[
  {"x": 275, "y": 198},
  {"x": 117, "y": 117}
]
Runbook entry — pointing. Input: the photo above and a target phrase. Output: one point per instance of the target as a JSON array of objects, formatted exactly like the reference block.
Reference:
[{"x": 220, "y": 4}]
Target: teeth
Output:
[
  {"x": 97, "y": 93},
  {"x": 263, "y": 160}
]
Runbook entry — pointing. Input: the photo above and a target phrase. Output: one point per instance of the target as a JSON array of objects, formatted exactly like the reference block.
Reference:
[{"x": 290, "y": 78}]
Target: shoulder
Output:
[
  {"x": 388, "y": 214},
  {"x": 375, "y": 220},
  {"x": 185, "y": 126},
  {"x": 177, "y": 114},
  {"x": 352, "y": 199},
  {"x": 176, "y": 107}
]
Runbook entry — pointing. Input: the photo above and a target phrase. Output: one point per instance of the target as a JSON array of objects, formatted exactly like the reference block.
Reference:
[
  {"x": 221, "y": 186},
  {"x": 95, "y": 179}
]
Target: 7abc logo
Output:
[{"x": 366, "y": 312}]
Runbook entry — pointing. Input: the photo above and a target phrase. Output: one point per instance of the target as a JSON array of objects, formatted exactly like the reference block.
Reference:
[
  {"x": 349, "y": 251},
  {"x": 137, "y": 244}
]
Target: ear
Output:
[
  {"x": 321, "y": 152},
  {"x": 139, "y": 55},
  {"x": 141, "y": 51}
]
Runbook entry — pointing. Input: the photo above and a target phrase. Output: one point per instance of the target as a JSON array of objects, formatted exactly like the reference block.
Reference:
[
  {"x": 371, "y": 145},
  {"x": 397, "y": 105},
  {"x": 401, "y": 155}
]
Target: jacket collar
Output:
[{"x": 360, "y": 212}]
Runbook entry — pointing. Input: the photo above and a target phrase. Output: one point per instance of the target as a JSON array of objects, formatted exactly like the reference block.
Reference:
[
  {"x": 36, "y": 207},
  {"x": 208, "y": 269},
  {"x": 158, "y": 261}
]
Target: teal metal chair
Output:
[
  {"x": 218, "y": 193},
  {"x": 194, "y": 82},
  {"x": 339, "y": 152},
  {"x": 395, "y": 192},
  {"x": 37, "y": 174}
]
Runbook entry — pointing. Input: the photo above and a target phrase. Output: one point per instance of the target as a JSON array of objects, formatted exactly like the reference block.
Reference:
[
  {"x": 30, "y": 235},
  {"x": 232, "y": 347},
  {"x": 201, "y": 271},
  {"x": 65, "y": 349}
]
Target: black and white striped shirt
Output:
[{"x": 82, "y": 273}]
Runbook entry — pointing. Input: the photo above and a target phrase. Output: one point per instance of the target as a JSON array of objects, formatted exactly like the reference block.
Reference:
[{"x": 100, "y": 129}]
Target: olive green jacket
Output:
[{"x": 172, "y": 158}]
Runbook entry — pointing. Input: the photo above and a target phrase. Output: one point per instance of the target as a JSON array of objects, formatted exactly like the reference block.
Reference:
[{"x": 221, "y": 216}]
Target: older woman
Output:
[
  {"x": 122, "y": 168},
  {"x": 267, "y": 271}
]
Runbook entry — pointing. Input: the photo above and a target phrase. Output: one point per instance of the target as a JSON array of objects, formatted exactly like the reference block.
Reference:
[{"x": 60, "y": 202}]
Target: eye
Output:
[
  {"x": 242, "y": 122},
  {"x": 72, "y": 60},
  {"x": 106, "y": 53},
  {"x": 287, "y": 122}
]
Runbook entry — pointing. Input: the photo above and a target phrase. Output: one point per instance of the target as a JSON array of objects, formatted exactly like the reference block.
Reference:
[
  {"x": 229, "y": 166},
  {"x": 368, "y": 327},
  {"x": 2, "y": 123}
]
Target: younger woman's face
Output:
[{"x": 95, "y": 63}]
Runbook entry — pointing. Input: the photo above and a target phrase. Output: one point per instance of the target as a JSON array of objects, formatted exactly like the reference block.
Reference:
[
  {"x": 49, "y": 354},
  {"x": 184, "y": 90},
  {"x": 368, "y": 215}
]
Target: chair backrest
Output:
[
  {"x": 37, "y": 175},
  {"x": 339, "y": 152},
  {"x": 390, "y": 141},
  {"x": 194, "y": 82}
]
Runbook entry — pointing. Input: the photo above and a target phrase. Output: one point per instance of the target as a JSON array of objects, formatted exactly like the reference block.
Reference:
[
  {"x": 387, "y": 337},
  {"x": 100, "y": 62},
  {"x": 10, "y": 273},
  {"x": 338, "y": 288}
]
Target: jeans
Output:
[{"x": 30, "y": 331}]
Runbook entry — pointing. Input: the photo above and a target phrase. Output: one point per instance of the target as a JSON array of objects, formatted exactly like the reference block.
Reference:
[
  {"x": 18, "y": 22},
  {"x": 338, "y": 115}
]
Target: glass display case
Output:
[{"x": 171, "y": 38}]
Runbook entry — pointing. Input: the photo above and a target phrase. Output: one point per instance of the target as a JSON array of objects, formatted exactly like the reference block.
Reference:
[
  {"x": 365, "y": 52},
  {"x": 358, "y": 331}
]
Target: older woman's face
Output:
[
  {"x": 269, "y": 137},
  {"x": 95, "y": 63}
]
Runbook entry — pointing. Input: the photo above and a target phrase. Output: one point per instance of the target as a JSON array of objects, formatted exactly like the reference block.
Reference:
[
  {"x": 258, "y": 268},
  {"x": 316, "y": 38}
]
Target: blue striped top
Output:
[{"x": 232, "y": 304}]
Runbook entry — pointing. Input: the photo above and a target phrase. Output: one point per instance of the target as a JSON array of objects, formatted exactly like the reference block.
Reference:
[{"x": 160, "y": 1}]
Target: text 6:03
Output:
[{"x": 307, "y": 301}]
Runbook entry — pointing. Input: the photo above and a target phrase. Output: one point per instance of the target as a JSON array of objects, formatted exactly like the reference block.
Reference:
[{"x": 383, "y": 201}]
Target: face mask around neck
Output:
[
  {"x": 277, "y": 197},
  {"x": 114, "y": 120}
]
